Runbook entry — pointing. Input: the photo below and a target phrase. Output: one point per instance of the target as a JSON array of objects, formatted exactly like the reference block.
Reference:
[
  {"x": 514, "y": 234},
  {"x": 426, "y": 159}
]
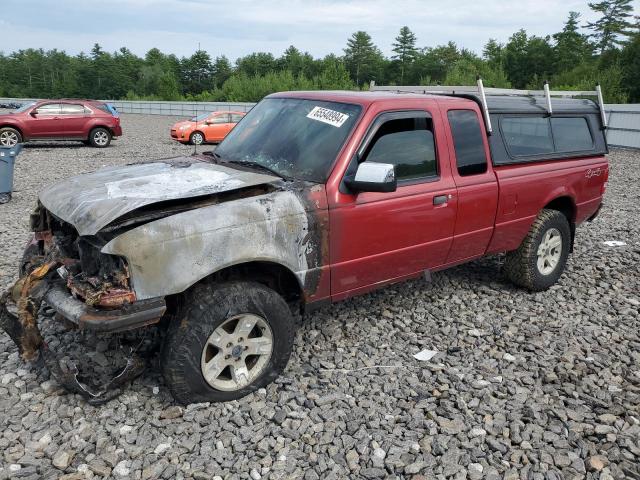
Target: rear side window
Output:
[
  {"x": 104, "y": 107},
  {"x": 467, "y": 140},
  {"x": 235, "y": 117},
  {"x": 571, "y": 134},
  {"x": 408, "y": 144},
  {"x": 71, "y": 109},
  {"x": 527, "y": 135}
]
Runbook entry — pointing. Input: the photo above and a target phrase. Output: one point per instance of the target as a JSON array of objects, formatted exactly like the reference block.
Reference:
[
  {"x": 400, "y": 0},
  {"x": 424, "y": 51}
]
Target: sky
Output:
[{"x": 239, "y": 27}]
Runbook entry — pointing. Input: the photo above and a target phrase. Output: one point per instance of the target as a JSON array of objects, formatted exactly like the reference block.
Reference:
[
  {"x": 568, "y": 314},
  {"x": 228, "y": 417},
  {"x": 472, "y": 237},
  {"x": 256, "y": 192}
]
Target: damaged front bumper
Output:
[
  {"x": 19, "y": 309},
  {"x": 128, "y": 317}
]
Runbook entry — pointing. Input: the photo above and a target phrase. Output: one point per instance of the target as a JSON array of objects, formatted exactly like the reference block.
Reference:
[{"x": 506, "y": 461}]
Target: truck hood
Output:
[{"x": 92, "y": 201}]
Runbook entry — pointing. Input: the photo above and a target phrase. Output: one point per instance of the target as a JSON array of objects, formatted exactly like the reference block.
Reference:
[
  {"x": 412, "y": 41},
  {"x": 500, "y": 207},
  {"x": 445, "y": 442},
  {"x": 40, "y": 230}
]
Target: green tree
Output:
[
  {"x": 362, "y": 57},
  {"x": 405, "y": 50},
  {"x": 571, "y": 46},
  {"x": 630, "y": 60},
  {"x": 493, "y": 52},
  {"x": 222, "y": 70},
  {"x": 611, "y": 28},
  {"x": 197, "y": 72}
]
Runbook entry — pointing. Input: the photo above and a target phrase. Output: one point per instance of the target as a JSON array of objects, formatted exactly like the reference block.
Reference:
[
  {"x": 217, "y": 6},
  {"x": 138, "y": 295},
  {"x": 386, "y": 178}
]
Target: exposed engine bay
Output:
[{"x": 57, "y": 256}]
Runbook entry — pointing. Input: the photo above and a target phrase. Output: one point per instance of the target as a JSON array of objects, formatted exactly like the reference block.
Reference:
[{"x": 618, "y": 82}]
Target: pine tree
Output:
[
  {"x": 405, "y": 50},
  {"x": 571, "y": 46},
  {"x": 361, "y": 56},
  {"x": 613, "y": 23}
]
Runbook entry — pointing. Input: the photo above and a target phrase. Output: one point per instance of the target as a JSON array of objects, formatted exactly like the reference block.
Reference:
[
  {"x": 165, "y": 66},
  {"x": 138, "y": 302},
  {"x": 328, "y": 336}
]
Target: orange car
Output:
[{"x": 207, "y": 127}]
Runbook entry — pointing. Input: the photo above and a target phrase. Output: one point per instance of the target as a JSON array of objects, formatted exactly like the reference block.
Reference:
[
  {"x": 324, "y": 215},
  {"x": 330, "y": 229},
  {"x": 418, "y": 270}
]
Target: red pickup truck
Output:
[{"x": 313, "y": 198}]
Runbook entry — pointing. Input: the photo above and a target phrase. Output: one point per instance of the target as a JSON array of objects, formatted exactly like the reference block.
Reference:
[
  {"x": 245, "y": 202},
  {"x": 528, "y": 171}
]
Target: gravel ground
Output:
[{"x": 526, "y": 386}]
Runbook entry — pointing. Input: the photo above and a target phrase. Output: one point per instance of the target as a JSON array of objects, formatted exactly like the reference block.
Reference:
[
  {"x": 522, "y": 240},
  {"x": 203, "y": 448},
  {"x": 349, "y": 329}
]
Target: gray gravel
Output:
[{"x": 526, "y": 386}]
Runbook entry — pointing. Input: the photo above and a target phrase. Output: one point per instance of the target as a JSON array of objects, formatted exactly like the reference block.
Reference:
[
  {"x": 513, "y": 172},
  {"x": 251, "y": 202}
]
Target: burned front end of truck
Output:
[{"x": 87, "y": 289}]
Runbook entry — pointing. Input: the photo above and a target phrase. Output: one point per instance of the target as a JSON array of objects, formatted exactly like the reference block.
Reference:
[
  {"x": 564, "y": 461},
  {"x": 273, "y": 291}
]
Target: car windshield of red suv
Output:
[
  {"x": 24, "y": 107},
  {"x": 293, "y": 137}
]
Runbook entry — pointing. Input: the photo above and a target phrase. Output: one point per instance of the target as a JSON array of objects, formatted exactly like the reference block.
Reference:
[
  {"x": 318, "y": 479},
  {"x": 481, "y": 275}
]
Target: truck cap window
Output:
[
  {"x": 536, "y": 135},
  {"x": 278, "y": 134},
  {"x": 527, "y": 135},
  {"x": 406, "y": 143},
  {"x": 467, "y": 140},
  {"x": 571, "y": 134}
]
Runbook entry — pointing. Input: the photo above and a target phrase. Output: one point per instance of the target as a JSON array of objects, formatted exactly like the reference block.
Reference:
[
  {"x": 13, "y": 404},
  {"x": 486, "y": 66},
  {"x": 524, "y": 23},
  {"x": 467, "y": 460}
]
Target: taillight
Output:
[{"x": 605, "y": 180}]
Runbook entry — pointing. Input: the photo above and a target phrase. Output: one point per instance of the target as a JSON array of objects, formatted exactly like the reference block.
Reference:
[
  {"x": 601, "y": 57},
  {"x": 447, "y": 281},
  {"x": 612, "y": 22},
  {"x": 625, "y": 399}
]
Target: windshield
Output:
[
  {"x": 200, "y": 118},
  {"x": 294, "y": 137},
  {"x": 25, "y": 107}
]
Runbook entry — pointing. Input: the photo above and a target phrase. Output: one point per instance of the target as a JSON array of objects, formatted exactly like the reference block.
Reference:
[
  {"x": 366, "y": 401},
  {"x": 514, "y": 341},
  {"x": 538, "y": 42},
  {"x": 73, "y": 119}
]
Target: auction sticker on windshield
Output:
[{"x": 328, "y": 116}]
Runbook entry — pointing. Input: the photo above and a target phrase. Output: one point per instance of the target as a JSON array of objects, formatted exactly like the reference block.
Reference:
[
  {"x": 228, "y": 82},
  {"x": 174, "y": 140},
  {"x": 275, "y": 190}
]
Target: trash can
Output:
[{"x": 7, "y": 161}]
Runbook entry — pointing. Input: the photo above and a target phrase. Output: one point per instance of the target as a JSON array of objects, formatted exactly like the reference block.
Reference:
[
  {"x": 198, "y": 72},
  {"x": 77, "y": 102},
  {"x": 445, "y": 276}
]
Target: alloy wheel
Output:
[{"x": 237, "y": 352}]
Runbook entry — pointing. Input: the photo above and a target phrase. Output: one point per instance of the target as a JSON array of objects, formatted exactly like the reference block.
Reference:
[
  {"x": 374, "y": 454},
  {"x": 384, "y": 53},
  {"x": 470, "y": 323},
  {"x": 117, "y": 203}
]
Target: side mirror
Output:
[
  {"x": 33, "y": 113},
  {"x": 373, "y": 177}
]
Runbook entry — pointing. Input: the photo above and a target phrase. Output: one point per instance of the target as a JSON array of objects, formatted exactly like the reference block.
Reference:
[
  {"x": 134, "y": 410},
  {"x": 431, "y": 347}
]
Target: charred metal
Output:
[{"x": 154, "y": 231}]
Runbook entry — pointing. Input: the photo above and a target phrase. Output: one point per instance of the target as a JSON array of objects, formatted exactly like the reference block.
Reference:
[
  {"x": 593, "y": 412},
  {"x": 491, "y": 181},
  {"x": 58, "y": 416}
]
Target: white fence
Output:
[
  {"x": 180, "y": 109},
  {"x": 623, "y": 125},
  {"x": 623, "y": 119}
]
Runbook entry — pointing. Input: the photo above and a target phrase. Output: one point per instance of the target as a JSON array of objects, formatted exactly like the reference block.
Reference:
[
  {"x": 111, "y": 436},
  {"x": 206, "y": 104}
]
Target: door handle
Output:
[{"x": 441, "y": 199}]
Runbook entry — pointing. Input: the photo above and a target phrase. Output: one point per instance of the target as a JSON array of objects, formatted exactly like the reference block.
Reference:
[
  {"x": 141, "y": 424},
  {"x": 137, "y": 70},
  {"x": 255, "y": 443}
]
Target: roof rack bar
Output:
[
  {"x": 481, "y": 91},
  {"x": 485, "y": 108},
  {"x": 547, "y": 94},
  {"x": 601, "y": 105}
]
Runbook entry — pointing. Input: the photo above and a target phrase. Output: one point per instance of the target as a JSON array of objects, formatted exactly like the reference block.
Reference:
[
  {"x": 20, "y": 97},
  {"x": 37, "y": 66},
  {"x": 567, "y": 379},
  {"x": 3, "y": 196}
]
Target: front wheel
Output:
[
  {"x": 541, "y": 257},
  {"x": 226, "y": 341},
  {"x": 100, "y": 137},
  {"x": 196, "y": 138},
  {"x": 9, "y": 137}
]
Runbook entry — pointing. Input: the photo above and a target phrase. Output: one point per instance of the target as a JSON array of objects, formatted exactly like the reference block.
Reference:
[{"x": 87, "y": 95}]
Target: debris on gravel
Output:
[{"x": 524, "y": 386}]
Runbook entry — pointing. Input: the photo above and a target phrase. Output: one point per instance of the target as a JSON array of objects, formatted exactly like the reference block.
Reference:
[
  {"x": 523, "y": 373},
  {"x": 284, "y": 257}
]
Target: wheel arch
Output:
[
  {"x": 93, "y": 127},
  {"x": 15, "y": 127},
  {"x": 273, "y": 275},
  {"x": 566, "y": 205}
]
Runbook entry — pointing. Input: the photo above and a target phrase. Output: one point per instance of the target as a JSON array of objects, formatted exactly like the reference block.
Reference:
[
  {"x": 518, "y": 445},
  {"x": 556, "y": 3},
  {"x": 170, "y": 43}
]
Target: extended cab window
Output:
[
  {"x": 408, "y": 144},
  {"x": 527, "y": 135},
  {"x": 571, "y": 134},
  {"x": 467, "y": 140}
]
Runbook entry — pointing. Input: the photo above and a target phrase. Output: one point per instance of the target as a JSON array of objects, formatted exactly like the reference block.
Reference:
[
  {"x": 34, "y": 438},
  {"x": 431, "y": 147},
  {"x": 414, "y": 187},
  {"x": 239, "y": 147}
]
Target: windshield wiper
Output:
[
  {"x": 258, "y": 166},
  {"x": 212, "y": 153}
]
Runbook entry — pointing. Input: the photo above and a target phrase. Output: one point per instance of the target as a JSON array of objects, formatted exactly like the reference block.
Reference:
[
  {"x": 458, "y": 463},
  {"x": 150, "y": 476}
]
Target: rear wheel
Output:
[
  {"x": 541, "y": 257},
  {"x": 100, "y": 137},
  {"x": 9, "y": 137},
  {"x": 226, "y": 341},
  {"x": 196, "y": 138}
]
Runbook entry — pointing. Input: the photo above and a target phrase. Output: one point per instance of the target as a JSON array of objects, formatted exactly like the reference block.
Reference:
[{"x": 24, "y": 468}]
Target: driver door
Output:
[
  {"x": 378, "y": 238},
  {"x": 45, "y": 121},
  {"x": 216, "y": 127}
]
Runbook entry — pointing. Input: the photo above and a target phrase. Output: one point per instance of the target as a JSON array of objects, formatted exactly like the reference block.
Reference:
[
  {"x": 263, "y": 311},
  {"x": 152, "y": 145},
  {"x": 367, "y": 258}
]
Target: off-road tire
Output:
[
  {"x": 192, "y": 139},
  {"x": 97, "y": 135},
  {"x": 198, "y": 314},
  {"x": 13, "y": 133},
  {"x": 521, "y": 265}
]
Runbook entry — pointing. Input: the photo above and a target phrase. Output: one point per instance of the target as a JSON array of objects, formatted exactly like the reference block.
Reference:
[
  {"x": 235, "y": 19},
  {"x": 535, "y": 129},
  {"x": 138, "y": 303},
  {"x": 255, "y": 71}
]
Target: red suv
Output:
[{"x": 94, "y": 123}]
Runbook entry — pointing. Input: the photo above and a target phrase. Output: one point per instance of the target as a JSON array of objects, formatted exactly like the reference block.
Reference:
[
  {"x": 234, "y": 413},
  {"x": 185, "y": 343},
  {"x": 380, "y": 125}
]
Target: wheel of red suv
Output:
[
  {"x": 196, "y": 138},
  {"x": 541, "y": 257},
  {"x": 100, "y": 137},
  {"x": 225, "y": 341},
  {"x": 9, "y": 137}
]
